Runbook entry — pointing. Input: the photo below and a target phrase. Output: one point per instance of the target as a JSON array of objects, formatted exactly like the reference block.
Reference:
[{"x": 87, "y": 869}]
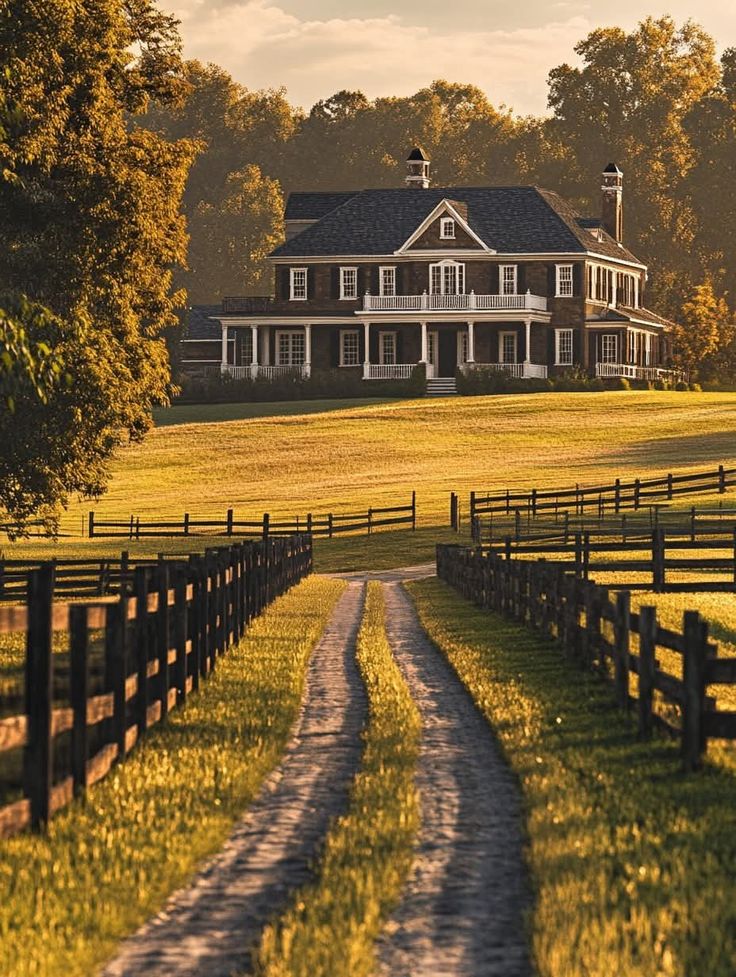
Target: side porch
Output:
[{"x": 630, "y": 352}]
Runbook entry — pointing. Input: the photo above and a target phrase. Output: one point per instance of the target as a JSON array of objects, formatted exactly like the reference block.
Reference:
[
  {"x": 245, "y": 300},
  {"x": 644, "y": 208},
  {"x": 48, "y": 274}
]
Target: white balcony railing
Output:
[
  {"x": 521, "y": 371},
  {"x": 454, "y": 303},
  {"x": 386, "y": 371},
  {"x": 633, "y": 372}
]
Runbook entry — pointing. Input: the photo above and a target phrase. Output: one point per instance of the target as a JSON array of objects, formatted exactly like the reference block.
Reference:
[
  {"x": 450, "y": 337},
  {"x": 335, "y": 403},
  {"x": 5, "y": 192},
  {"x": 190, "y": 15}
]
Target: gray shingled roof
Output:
[
  {"x": 198, "y": 324},
  {"x": 510, "y": 220},
  {"x": 313, "y": 206}
]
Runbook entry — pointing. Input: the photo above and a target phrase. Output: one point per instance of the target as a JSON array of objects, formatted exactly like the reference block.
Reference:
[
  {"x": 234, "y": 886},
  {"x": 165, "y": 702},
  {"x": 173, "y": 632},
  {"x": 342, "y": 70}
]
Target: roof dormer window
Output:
[{"x": 447, "y": 229}]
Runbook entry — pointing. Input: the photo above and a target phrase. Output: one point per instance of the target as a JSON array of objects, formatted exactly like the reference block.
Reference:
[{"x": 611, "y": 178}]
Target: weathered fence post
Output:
[
  {"x": 141, "y": 643},
  {"x": 454, "y": 518},
  {"x": 658, "y": 551},
  {"x": 647, "y": 648},
  {"x": 413, "y": 511},
  {"x": 721, "y": 479},
  {"x": 693, "y": 706},
  {"x": 91, "y": 525},
  {"x": 229, "y": 523},
  {"x": 37, "y": 757},
  {"x": 622, "y": 629},
  {"x": 79, "y": 692},
  {"x": 181, "y": 614},
  {"x": 116, "y": 666}
]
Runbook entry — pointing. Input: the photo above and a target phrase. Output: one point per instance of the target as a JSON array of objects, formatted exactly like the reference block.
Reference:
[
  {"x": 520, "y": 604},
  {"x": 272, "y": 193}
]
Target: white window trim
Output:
[
  {"x": 501, "y": 336},
  {"x": 277, "y": 346},
  {"x": 381, "y": 334},
  {"x": 501, "y": 282},
  {"x": 558, "y": 332},
  {"x": 444, "y": 264},
  {"x": 617, "y": 347},
  {"x": 343, "y": 296},
  {"x": 558, "y": 281},
  {"x": 343, "y": 334},
  {"x": 447, "y": 223},
  {"x": 292, "y": 275},
  {"x": 381, "y": 270}
]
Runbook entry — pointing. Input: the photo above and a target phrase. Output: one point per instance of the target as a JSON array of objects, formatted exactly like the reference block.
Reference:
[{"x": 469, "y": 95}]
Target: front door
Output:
[{"x": 447, "y": 353}]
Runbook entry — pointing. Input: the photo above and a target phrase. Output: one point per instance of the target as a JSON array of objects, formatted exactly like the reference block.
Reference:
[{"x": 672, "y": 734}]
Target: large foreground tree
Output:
[{"x": 92, "y": 232}]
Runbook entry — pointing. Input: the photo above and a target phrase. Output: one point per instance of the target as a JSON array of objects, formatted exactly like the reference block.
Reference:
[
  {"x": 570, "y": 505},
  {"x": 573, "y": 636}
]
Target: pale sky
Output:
[{"x": 314, "y": 48}]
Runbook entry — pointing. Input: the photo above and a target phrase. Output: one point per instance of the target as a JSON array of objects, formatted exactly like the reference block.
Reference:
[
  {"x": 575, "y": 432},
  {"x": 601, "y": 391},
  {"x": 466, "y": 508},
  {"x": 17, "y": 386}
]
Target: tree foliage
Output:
[
  {"x": 92, "y": 230},
  {"x": 703, "y": 330}
]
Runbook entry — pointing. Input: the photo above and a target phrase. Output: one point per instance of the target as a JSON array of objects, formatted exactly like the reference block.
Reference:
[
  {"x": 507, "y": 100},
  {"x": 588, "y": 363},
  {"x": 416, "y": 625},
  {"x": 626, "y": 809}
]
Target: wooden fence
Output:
[
  {"x": 329, "y": 524},
  {"x": 596, "y": 630},
  {"x": 603, "y": 498},
  {"x": 128, "y": 663},
  {"x": 649, "y": 555},
  {"x": 692, "y": 523}
]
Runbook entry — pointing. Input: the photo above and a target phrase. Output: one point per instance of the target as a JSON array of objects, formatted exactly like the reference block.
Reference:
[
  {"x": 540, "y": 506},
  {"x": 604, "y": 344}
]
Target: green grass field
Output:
[{"x": 205, "y": 460}]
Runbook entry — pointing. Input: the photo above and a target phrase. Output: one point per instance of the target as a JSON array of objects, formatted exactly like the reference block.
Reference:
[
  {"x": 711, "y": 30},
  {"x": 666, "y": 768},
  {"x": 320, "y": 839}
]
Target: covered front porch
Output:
[
  {"x": 385, "y": 350},
  {"x": 631, "y": 353}
]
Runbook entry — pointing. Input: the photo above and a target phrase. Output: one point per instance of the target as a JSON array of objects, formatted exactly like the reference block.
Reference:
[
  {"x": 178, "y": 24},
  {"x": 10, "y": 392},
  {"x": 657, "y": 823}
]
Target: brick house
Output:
[{"x": 449, "y": 278}]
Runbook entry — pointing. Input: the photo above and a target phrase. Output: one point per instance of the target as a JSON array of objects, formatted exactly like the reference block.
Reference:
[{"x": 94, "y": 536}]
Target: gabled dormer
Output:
[{"x": 445, "y": 228}]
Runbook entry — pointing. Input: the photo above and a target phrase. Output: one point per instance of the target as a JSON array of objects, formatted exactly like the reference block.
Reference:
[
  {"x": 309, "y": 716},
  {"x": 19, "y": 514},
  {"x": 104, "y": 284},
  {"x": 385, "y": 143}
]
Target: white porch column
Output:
[
  {"x": 223, "y": 364},
  {"x": 527, "y": 349},
  {"x": 367, "y": 355},
  {"x": 425, "y": 344},
  {"x": 471, "y": 341},
  {"x": 266, "y": 345},
  {"x": 308, "y": 349},
  {"x": 254, "y": 351}
]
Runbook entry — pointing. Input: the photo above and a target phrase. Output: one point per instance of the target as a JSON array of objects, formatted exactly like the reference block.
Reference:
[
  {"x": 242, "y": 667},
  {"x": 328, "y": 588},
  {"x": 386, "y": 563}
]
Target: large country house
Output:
[{"x": 448, "y": 278}]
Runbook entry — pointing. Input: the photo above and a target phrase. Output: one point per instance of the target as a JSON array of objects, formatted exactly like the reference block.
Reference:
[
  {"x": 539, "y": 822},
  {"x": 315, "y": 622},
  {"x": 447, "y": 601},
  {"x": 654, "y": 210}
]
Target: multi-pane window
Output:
[
  {"x": 432, "y": 348},
  {"x": 447, "y": 278},
  {"x": 387, "y": 280},
  {"x": 564, "y": 281},
  {"x": 348, "y": 283},
  {"x": 447, "y": 228},
  {"x": 387, "y": 348},
  {"x": 463, "y": 347},
  {"x": 349, "y": 347},
  {"x": 626, "y": 290},
  {"x": 289, "y": 348},
  {"x": 508, "y": 279},
  {"x": 563, "y": 347},
  {"x": 246, "y": 347},
  {"x": 609, "y": 348},
  {"x": 298, "y": 280},
  {"x": 632, "y": 346},
  {"x": 507, "y": 347}
]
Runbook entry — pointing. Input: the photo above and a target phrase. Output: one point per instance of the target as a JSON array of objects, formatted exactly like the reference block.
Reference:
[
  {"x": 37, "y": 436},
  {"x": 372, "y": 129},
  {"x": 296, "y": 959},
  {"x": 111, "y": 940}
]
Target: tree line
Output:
[{"x": 133, "y": 183}]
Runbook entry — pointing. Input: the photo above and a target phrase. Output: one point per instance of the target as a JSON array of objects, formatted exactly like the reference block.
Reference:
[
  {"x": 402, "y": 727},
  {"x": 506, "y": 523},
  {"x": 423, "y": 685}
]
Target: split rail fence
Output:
[
  {"x": 632, "y": 494},
  {"x": 596, "y": 630},
  {"x": 329, "y": 524},
  {"x": 653, "y": 556},
  {"x": 125, "y": 665}
]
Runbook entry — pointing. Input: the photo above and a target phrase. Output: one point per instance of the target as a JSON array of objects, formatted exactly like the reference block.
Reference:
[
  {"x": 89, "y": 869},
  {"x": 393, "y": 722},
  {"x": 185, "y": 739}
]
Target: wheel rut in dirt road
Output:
[
  {"x": 462, "y": 912},
  {"x": 210, "y": 928}
]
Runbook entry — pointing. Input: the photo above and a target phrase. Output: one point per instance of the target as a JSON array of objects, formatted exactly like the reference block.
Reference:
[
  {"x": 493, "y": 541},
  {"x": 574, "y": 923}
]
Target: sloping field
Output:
[{"x": 377, "y": 454}]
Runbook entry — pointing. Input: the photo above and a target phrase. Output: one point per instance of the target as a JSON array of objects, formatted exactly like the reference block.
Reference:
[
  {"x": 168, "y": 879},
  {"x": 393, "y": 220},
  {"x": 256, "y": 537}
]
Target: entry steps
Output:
[{"x": 441, "y": 387}]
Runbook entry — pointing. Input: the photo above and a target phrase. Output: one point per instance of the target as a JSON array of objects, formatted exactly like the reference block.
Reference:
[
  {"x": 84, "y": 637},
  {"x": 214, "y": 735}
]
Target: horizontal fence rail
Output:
[
  {"x": 632, "y": 494},
  {"x": 651, "y": 555},
  {"x": 596, "y": 630},
  {"x": 325, "y": 525},
  {"x": 692, "y": 523},
  {"x": 125, "y": 665}
]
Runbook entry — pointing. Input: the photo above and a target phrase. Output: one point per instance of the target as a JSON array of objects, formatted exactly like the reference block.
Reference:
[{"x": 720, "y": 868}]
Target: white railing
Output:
[
  {"x": 269, "y": 372},
  {"x": 520, "y": 371},
  {"x": 393, "y": 371},
  {"x": 454, "y": 303},
  {"x": 633, "y": 372}
]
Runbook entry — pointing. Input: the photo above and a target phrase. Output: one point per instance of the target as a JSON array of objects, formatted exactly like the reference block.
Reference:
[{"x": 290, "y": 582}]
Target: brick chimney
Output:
[
  {"x": 417, "y": 170},
  {"x": 612, "y": 202}
]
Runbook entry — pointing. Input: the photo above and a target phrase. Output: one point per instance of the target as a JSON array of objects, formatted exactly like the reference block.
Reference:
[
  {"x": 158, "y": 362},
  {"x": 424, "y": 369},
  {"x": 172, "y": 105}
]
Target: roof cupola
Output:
[
  {"x": 612, "y": 211},
  {"x": 417, "y": 169}
]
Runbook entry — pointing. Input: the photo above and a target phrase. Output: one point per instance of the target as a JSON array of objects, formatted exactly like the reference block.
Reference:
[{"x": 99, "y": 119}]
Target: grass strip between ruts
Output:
[
  {"x": 109, "y": 862},
  {"x": 331, "y": 928},
  {"x": 634, "y": 863}
]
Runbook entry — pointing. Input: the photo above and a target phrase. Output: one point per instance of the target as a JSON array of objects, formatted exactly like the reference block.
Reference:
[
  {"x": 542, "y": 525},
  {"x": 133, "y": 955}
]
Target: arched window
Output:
[{"x": 447, "y": 278}]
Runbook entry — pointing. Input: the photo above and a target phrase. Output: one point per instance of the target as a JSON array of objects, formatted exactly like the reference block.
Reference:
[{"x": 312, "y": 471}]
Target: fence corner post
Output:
[{"x": 694, "y": 679}]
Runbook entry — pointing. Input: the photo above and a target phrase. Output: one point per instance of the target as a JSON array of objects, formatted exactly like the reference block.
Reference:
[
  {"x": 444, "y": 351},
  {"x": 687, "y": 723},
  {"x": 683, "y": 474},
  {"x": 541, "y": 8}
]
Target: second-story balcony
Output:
[{"x": 470, "y": 302}]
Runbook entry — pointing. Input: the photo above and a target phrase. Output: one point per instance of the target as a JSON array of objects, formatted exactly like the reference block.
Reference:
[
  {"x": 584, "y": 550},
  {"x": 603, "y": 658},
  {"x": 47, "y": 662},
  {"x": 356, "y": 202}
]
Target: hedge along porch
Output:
[{"x": 388, "y": 349}]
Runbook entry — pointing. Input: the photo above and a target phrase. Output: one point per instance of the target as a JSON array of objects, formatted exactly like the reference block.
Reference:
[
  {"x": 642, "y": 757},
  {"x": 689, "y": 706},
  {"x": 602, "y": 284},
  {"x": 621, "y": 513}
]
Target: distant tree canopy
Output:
[
  {"x": 92, "y": 230},
  {"x": 655, "y": 100}
]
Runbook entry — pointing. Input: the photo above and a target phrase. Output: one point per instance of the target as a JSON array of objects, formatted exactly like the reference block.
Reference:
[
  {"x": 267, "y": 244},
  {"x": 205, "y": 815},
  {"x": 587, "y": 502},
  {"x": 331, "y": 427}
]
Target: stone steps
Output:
[{"x": 442, "y": 387}]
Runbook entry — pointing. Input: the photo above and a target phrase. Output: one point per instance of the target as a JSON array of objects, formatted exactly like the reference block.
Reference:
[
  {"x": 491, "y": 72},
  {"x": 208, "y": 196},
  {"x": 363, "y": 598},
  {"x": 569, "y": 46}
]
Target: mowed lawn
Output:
[{"x": 377, "y": 454}]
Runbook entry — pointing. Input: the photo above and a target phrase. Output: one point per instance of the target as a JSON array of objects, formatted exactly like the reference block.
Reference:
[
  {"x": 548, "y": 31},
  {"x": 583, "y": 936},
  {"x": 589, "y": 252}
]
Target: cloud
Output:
[{"x": 262, "y": 45}]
